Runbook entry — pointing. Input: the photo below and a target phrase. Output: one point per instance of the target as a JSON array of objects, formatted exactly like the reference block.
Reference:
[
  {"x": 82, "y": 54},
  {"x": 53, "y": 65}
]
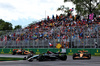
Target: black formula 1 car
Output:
[
  {"x": 81, "y": 55},
  {"x": 20, "y": 52},
  {"x": 48, "y": 56}
]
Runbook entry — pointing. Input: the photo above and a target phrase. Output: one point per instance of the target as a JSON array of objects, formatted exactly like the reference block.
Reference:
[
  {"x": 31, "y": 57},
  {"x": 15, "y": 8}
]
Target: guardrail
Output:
[{"x": 95, "y": 52}]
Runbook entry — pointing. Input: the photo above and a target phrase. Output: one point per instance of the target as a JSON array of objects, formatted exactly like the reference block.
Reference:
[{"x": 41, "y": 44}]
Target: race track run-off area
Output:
[{"x": 94, "y": 61}]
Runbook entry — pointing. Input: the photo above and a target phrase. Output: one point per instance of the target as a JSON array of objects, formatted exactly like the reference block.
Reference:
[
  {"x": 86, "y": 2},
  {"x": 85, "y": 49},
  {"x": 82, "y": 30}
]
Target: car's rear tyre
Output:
[
  {"x": 74, "y": 57},
  {"x": 89, "y": 56},
  {"x": 41, "y": 58},
  {"x": 13, "y": 53},
  {"x": 63, "y": 57},
  {"x": 24, "y": 58}
]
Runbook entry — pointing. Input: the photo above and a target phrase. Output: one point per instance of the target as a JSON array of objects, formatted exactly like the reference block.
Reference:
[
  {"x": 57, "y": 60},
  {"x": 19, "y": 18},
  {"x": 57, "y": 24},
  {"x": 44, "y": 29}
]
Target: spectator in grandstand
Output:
[
  {"x": 57, "y": 28},
  {"x": 50, "y": 44},
  {"x": 96, "y": 45}
]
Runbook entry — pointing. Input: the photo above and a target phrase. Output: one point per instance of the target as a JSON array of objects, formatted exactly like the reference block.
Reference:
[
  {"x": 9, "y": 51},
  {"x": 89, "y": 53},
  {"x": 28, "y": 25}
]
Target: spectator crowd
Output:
[{"x": 63, "y": 29}]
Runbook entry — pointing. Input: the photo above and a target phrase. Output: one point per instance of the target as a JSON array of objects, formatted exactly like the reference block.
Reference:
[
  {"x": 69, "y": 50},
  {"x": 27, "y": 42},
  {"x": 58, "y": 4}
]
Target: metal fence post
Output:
[{"x": 97, "y": 36}]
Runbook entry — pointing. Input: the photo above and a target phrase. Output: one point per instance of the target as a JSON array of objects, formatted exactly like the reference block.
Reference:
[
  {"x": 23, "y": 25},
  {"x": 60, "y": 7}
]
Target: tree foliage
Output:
[
  {"x": 63, "y": 9},
  {"x": 84, "y": 7},
  {"x": 5, "y": 25},
  {"x": 17, "y": 27}
]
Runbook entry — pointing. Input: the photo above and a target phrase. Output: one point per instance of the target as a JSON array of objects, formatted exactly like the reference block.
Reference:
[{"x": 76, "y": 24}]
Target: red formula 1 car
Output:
[
  {"x": 20, "y": 52},
  {"x": 82, "y": 55}
]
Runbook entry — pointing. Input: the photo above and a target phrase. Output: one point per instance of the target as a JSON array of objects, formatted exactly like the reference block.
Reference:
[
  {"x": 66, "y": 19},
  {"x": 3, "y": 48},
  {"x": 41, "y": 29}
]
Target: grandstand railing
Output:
[
  {"x": 77, "y": 43},
  {"x": 91, "y": 35}
]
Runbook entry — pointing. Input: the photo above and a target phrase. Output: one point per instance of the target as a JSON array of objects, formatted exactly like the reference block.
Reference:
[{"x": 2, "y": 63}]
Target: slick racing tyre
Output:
[
  {"x": 74, "y": 56},
  {"x": 41, "y": 58},
  {"x": 89, "y": 56},
  {"x": 13, "y": 53},
  {"x": 24, "y": 58},
  {"x": 63, "y": 57}
]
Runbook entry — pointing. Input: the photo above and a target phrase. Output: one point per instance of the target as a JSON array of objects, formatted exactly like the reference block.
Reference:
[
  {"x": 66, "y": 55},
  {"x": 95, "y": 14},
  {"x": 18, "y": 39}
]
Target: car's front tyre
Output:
[{"x": 13, "y": 53}]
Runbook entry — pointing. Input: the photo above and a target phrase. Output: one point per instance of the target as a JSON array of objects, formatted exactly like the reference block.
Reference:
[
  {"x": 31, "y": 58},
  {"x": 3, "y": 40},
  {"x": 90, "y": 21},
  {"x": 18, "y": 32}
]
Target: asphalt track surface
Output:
[{"x": 94, "y": 61}]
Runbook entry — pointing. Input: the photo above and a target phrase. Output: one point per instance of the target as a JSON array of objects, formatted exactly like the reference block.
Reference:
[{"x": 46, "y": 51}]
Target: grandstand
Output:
[{"x": 70, "y": 33}]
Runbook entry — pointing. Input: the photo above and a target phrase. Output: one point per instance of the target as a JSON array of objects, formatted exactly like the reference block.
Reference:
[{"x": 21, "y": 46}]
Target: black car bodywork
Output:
[{"x": 48, "y": 56}]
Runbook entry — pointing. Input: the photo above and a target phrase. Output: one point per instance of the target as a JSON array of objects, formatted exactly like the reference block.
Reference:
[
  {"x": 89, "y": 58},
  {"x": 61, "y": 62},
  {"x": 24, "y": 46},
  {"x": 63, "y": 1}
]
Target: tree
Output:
[
  {"x": 84, "y": 7},
  {"x": 98, "y": 9},
  {"x": 17, "y": 27},
  {"x": 63, "y": 9},
  {"x": 34, "y": 22},
  {"x": 8, "y": 26},
  {"x": 5, "y": 25}
]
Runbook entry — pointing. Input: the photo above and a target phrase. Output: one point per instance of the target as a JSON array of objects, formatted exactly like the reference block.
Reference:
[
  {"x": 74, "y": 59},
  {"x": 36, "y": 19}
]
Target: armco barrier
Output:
[
  {"x": 37, "y": 51},
  {"x": 93, "y": 51},
  {"x": 43, "y": 50}
]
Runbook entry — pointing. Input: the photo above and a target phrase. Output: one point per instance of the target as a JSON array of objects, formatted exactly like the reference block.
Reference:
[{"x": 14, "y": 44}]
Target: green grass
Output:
[{"x": 9, "y": 59}]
